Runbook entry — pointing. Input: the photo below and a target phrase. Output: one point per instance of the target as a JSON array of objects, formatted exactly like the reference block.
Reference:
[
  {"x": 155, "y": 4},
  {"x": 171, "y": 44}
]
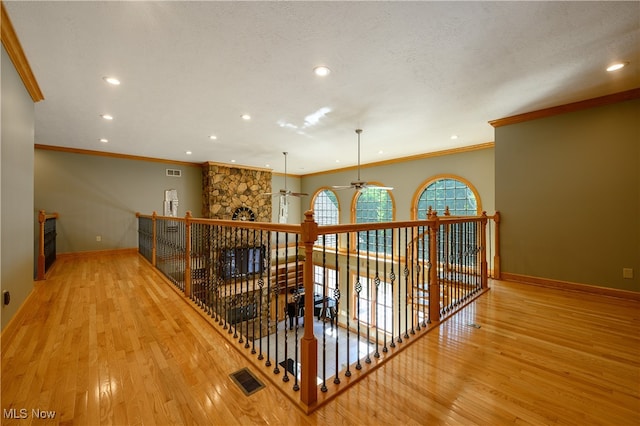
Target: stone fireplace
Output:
[{"x": 239, "y": 190}]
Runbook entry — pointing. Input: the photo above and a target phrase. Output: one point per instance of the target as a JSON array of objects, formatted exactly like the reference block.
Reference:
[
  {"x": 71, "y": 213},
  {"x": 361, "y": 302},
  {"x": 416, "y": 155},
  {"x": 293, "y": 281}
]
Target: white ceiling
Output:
[{"x": 411, "y": 74}]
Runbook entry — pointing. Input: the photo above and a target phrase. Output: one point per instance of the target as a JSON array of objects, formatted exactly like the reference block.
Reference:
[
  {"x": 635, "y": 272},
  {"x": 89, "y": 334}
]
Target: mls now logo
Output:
[
  {"x": 23, "y": 413},
  {"x": 14, "y": 413}
]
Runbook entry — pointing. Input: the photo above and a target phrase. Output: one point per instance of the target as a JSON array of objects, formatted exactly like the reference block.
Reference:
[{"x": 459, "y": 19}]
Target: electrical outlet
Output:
[
  {"x": 627, "y": 273},
  {"x": 98, "y": 238}
]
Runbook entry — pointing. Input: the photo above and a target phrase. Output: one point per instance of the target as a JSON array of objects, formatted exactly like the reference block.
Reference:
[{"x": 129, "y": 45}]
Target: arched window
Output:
[
  {"x": 462, "y": 200},
  {"x": 326, "y": 211},
  {"x": 450, "y": 192},
  {"x": 374, "y": 205}
]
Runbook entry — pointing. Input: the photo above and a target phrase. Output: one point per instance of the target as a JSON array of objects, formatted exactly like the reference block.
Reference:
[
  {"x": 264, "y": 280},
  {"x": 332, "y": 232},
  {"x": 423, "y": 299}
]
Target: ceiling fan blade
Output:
[
  {"x": 298, "y": 194},
  {"x": 341, "y": 187},
  {"x": 388, "y": 188}
]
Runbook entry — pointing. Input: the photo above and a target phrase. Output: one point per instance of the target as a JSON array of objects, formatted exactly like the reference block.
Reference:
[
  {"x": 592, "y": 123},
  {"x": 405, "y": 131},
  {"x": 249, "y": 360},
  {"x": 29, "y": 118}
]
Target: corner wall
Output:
[
  {"x": 568, "y": 190},
  {"x": 99, "y": 196}
]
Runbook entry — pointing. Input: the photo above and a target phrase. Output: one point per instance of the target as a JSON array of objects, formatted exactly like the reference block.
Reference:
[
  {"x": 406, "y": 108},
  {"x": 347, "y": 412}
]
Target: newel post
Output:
[
  {"x": 308, "y": 343},
  {"x": 187, "y": 255},
  {"x": 154, "y": 238},
  {"x": 434, "y": 285},
  {"x": 496, "y": 257},
  {"x": 484, "y": 269},
  {"x": 42, "y": 217}
]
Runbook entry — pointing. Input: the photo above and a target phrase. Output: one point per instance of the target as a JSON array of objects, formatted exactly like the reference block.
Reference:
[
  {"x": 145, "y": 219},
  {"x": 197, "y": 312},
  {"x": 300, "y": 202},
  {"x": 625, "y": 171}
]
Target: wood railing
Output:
[
  {"x": 46, "y": 243},
  {"x": 362, "y": 292}
]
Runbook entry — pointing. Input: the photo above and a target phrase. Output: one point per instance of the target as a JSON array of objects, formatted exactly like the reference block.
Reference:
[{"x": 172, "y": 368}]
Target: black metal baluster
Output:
[
  {"x": 266, "y": 270},
  {"x": 392, "y": 279},
  {"x": 254, "y": 302},
  {"x": 376, "y": 280},
  {"x": 227, "y": 278},
  {"x": 287, "y": 314},
  {"x": 276, "y": 292},
  {"x": 348, "y": 372},
  {"x": 384, "y": 274},
  {"x": 234, "y": 324},
  {"x": 358, "y": 289},
  {"x": 406, "y": 284},
  {"x": 296, "y": 385},
  {"x": 372, "y": 307},
  {"x": 399, "y": 286},
  {"x": 336, "y": 295},
  {"x": 324, "y": 388}
]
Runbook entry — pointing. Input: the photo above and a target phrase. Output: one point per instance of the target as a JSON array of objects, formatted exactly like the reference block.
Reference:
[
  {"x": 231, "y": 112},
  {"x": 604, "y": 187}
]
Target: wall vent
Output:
[{"x": 174, "y": 172}]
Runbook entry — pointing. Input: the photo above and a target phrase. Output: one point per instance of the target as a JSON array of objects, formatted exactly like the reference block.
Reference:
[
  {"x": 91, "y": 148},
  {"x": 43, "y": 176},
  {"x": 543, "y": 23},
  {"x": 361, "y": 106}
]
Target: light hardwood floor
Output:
[{"x": 106, "y": 341}]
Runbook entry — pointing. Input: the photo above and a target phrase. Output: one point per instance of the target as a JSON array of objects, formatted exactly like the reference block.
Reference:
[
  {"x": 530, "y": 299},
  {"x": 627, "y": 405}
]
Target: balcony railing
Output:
[
  {"x": 320, "y": 306},
  {"x": 46, "y": 243}
]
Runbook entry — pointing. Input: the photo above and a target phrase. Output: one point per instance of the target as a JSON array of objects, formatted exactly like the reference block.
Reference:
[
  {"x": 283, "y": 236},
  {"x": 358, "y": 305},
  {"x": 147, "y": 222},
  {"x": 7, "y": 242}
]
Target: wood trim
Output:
[
  {"x": 13, "y": 47},
  {"x": 574, "y": 106},
  {"x": 14, "y": 324},
  {"x": 114, "y": 155},
  {"x": 565, "y": 285},
  {"x": 81, "y": 254},
  {"x": 486, "y": 145}
]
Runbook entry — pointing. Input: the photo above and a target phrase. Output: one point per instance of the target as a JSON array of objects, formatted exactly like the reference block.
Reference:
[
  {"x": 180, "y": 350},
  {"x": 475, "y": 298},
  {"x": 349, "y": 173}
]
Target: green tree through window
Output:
[{"x": 374, "y": 205}]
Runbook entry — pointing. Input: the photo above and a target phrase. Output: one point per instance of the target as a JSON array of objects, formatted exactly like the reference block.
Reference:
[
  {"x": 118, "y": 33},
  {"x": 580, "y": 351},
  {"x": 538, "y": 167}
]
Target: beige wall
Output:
[
  {"x": 407, "y": 177},
  {"x": 98, "y": 195},
  {"x": 568, "y": 189},
  {"x": 16, "y": 196}
]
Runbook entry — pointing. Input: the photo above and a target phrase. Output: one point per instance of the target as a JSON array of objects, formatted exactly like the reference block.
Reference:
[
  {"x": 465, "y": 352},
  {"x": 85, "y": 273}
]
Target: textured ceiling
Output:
[{"x": 411, "y": 74}]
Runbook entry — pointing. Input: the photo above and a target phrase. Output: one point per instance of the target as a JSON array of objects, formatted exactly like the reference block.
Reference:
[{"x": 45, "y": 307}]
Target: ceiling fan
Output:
[
  {"x": 286, "y": 192},
  {"x": 359, "y": 184}
]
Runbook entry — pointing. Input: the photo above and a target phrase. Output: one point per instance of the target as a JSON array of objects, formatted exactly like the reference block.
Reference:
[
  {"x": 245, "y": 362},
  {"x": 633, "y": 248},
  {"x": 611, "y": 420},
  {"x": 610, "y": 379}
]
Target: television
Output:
[{"x": 242, "y": 261}]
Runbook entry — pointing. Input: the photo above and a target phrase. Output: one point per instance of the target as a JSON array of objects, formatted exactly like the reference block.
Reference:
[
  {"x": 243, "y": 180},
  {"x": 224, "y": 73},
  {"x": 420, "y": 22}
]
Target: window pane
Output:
[
  {"x": 325, "y": 208},
  {"x": 457, "y": 196},
  {"x": 374, "y": 205}
]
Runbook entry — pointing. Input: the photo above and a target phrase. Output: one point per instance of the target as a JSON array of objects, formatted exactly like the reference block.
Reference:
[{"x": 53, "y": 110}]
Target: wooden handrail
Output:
[{"x": 42, "y": 218}]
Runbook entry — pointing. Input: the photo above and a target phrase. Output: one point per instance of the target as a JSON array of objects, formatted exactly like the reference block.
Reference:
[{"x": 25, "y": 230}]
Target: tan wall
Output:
[
  {"x": 407, "y": 177},
  {"x": 568, "y": 189},
  {"x": 99, "y": 196},
  {"x": 16, "y": 179}
]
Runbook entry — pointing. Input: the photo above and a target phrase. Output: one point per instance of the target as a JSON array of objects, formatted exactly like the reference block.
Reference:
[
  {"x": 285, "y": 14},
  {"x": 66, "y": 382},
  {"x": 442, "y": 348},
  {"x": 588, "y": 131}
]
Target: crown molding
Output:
[
  {"x": 14, "y": 50},
  {"x": 477, "y": 147},
  {"x": 114, "y": 155},
  {"x": 561, "y": 109}
]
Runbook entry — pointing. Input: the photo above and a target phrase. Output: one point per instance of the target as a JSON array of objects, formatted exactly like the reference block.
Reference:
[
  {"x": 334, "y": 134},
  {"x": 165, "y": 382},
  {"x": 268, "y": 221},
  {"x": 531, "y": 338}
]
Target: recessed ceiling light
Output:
[
  {"x": 103, "y": 140},
  {"x": 112, "y": 80},
  {"x": 107, "y": 116},
  {"x": 245, "y": 117},
  {"x": 267, "y": 165},
  {"x": 321, "y": 71},
  {"x": 454, "y": 137},
  {"x": 381, "y": 152},
  {"x": 616, "y": 66},
  {"x": 337, "y": 161},
  {"x": 213, "y": 137},
  {"x": 233, "y": 161},
  {"x": 188, "y": 152}
]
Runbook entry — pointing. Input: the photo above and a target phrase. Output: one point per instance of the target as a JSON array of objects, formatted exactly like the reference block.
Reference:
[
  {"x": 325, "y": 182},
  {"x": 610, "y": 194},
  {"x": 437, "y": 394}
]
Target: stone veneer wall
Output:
[{"x": 226, "y": 188}]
